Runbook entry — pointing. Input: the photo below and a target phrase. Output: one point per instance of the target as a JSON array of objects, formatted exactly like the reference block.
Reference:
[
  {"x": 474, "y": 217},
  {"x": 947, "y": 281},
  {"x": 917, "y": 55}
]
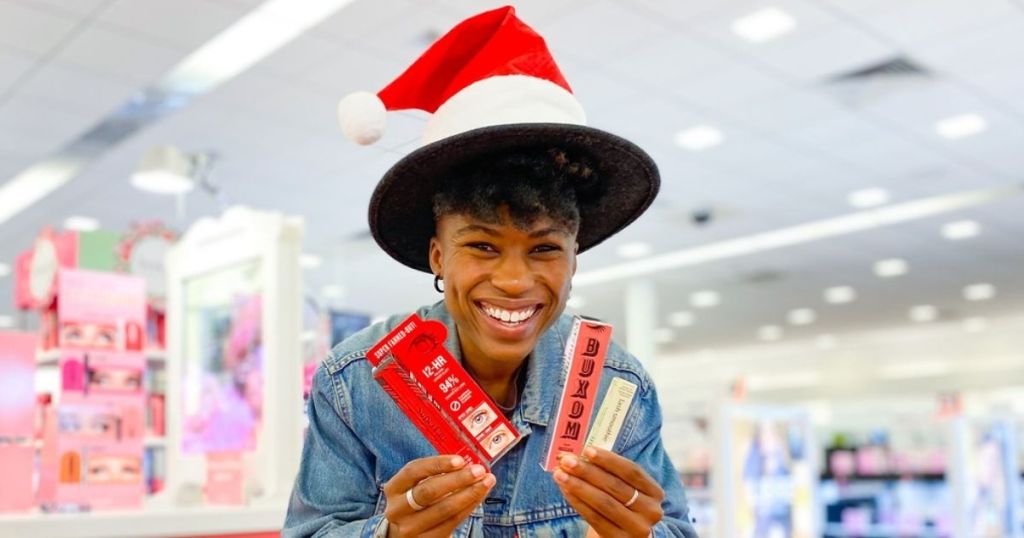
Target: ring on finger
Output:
[
  {"x": 412, "y": 501},
  {"x": 632, "y": 500}
]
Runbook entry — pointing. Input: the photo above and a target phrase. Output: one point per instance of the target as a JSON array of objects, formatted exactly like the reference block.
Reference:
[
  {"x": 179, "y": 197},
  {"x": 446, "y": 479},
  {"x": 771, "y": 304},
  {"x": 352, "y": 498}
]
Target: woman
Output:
[{"x": 496, "y": 205}]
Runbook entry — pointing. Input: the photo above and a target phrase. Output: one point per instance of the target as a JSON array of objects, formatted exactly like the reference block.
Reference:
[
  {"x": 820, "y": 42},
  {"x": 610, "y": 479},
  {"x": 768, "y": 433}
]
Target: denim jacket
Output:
[{"x": 358, "y": 439}]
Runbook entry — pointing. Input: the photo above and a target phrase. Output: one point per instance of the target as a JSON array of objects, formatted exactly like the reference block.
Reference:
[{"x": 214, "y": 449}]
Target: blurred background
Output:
[{"x": 828, "y": 292}]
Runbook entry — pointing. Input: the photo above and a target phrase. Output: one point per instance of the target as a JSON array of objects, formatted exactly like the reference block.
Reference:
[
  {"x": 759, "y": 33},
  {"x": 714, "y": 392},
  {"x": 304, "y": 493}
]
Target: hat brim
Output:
[{"x": 401, "y": 208}]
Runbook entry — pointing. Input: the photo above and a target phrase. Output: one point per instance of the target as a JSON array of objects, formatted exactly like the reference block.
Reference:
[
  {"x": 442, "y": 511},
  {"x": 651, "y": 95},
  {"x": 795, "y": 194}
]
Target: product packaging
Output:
[
  {"x": 438, "y": 394},
  {"x": 583, "y": 364}
]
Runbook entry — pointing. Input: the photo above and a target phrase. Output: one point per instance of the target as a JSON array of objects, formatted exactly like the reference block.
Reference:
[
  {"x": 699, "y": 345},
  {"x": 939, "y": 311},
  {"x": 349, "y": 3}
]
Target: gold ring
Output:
[{"x": 632, "y": 500}]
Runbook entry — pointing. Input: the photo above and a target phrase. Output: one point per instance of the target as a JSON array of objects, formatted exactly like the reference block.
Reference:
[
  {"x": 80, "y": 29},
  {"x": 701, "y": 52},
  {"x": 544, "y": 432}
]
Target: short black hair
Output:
[{"x": 531, "y": 183}]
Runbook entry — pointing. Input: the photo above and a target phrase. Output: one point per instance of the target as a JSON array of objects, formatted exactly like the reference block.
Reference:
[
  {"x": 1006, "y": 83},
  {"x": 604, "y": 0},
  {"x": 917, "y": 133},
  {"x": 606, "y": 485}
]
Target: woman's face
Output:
[{"x": 503, "y": 286}]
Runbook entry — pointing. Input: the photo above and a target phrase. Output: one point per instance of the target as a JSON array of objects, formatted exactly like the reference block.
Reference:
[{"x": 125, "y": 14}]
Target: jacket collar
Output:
[{"x": 543, "y": 366}]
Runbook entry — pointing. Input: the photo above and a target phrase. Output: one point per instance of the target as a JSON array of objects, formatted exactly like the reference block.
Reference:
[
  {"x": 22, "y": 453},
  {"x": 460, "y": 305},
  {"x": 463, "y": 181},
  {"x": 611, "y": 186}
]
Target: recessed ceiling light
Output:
[
  {"x": 634, "y": 250},
  {"x": 79, "y": 223},
  {"x": 801, "y": 316},
  {"x": 891, "y": 267},
  {"x": 979, "y": 292},
  {"x": 960, "y": 126},
  {"x": 6, "y": 322},
  {"x": 764, "y": 25},
  {"x": 683, "y": 318},
  {"x": 333, "y": 291},
  {"x": 840, "y": 295},
  {"x": 826, "y": 341},
  {"x": 924, "y": 313},
  {"x": 664, "y": 336},
  {"x": 4, "y": 270},
  {"x": 310, "y": 261},
  {"x": 769, "y": 333},
  {"x": 975, "y": 325},
  {"x": 576, "y": 302},
  {"x": 165, "y": 170},
  {"x": 705, "y": 299},
  {"x": 961, "y": 229},
  {"x": 866, "y": 198},
  {"x": 699, "y": 138}
]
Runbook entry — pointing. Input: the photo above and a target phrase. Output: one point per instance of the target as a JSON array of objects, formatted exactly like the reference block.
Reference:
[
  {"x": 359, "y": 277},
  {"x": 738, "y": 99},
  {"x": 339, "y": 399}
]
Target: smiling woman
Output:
[{"x": 509, "y": 189}]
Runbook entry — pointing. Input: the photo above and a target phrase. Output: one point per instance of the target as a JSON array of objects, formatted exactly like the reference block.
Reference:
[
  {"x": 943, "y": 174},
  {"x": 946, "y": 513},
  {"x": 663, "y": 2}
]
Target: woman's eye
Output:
[
  {"x": 483, "y": 247},
  {"x": 547, "y": 248}
]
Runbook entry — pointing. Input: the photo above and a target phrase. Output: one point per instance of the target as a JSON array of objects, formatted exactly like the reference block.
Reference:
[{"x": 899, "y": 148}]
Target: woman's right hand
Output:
[{"x": 444, "y": 486}]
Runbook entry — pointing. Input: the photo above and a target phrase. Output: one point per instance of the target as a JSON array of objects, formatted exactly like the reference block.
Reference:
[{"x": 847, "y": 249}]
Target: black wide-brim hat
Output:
[{"x": 401, "y": 208}]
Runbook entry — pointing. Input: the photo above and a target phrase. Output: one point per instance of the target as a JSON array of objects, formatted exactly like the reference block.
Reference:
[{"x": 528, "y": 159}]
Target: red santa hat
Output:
[{"x": 490, "y": 69}]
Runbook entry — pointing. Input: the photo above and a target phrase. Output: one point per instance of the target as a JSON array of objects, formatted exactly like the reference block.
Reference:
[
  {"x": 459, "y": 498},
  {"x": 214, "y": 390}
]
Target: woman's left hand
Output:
[{"x": 601, "y": 487}]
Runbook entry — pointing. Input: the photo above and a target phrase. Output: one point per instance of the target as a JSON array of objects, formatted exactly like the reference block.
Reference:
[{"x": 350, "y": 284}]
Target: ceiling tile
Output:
[
  {"x": 901, "y": 21},
  {"x": 621, "y": 29},
  {"x": 826, "y": 51},
  {"x": 184, "y": 23},
  {"x": 126, "y": 58},
  {"x": 13, "y": 66},
  {"x": 93, "y": 94},
  {"x": 35, "y": 30}
]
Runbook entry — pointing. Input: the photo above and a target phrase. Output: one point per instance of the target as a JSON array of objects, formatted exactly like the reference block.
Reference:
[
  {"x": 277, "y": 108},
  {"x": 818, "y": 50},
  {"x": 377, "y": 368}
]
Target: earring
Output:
[{"x": 437, "y": 283}]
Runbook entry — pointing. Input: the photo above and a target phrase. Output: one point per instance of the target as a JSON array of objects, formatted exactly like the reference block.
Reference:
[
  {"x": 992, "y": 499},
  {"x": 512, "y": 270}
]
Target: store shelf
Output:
[
  {"x": 51, "y": 357},
  {"x": 147, "y": 523},
  {"x": 155, "y": 442}
]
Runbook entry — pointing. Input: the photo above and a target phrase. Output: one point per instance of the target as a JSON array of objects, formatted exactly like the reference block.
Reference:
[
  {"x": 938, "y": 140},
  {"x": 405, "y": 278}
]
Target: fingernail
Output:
[
  {"x": 477, "y": 470},
  {"x": 457, "y": 461},
  {"x": 560, "y": 476},
  {"x": 590, "y": 452},
  {"x": 569, "y": 461},
  {"x": 489, "y": 481}
]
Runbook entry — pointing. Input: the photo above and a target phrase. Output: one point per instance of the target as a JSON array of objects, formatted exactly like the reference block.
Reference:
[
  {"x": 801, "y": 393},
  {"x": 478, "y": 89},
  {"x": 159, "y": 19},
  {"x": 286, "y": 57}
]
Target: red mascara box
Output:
[
  {"x": 438, "y": 395},
  {"x": 584, "y": 362}
]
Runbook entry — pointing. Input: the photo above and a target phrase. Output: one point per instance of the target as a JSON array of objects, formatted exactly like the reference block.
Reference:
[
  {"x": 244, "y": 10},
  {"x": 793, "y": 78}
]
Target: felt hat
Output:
[{"x": 492, "y": 88}]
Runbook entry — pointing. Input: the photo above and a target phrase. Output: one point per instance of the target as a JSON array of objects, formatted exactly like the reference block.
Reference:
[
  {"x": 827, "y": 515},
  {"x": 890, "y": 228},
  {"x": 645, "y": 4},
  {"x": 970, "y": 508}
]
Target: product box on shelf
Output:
[
  {"x": 438, "y": 395},
  {"x": 17, "y": 420},
  {"x": 93, "y": 445}
]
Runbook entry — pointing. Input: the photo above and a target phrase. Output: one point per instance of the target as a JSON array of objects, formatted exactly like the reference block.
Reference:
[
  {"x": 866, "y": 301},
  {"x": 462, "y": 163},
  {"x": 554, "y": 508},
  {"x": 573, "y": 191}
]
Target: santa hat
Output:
[
  {"x": 492, "y": 88},
  {"x": 490, "y": 69}
]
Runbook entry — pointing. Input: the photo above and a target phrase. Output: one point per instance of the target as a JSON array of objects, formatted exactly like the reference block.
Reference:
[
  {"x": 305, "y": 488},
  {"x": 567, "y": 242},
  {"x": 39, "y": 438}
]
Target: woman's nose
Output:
[{"x": 512, "y": 276}]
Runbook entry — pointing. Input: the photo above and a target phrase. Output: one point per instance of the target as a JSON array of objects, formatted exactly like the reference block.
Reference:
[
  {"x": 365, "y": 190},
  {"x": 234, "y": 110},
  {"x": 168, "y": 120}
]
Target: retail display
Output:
[{"x": 17, "y": 420}]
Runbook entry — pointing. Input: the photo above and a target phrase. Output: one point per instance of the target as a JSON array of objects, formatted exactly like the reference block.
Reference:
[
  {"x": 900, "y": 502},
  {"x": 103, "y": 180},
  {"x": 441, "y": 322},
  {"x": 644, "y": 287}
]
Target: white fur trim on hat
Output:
[
  {"x": 503, "y": 100},
  {"x": 363, "y": 117}
]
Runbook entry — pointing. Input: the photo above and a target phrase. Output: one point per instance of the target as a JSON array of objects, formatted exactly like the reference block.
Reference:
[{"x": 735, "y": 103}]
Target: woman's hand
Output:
[
  {"x": 601, "y": 487},
  {"x": 444, "y": 488}
]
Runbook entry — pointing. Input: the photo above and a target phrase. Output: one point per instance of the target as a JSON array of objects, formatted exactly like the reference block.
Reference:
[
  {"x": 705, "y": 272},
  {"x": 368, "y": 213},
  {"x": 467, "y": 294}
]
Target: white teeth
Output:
[{"x": 509, "y": 316}]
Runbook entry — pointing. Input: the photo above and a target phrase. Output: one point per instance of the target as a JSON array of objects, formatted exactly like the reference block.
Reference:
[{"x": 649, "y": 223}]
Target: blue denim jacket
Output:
[{"x": 358, "y": 439}]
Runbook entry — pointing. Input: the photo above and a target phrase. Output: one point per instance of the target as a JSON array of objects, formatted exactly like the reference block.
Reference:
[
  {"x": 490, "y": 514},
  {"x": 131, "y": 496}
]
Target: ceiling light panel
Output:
[{"x": 764, "y": 25}]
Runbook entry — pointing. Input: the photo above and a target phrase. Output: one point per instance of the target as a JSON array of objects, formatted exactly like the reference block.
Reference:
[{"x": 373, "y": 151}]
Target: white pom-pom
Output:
[{"x": 362, "y": 116}]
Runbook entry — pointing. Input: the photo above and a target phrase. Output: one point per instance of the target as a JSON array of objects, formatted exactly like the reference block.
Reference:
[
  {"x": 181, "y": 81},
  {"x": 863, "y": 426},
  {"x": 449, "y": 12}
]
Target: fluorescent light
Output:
[
  {"x": 910, "y": 370},
  {"x": 840, "y": 295},
  {"x": 255, "y": 36},
  {"x": 801, "y": 316},
  {"x": 310, "y": 261},
  {"x": 34, "y": 184},
  {"x": 664, "y": 336},
  {"x": 770, "y": 333},
  {"x": 634, "y": 250},
  {"x": 165, "y": 170},
  {"x": 81, "y": 224},
  {"x": 6, "y": 322},
  {"x": 683, "y": 318},
  {"x": 764, "y": 25},
  {"x": 923, "y": 313},
  {"x": 576, "y": 302},
  {"x": 866, "y": 198},
  {"x": 699, "y": 138},
  {"x": 961, "y": 126},
  {"x": 961, "y": 229},
  {"x": 890, "y": 268},
  {"x": 979, "y": 292},
  {"x": 4, "y": 270},
  {"x": 790, "y": 380},
  {"x": 705, "y": 299},
  {"x": 975, "y": 325},
  {"x": 333, "y": 291},
  {"x": 825, "y": 342},
  {"x": 799, "y": 234}
]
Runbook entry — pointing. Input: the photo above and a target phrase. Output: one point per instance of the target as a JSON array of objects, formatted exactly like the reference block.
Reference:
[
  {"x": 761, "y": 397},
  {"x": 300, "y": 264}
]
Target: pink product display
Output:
[
  {"x": 225, "y": 479},
  {"x": 93, "y": 440},
  {"x": 17, "y": 372},
  {"x": 16, "y": 464}
]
